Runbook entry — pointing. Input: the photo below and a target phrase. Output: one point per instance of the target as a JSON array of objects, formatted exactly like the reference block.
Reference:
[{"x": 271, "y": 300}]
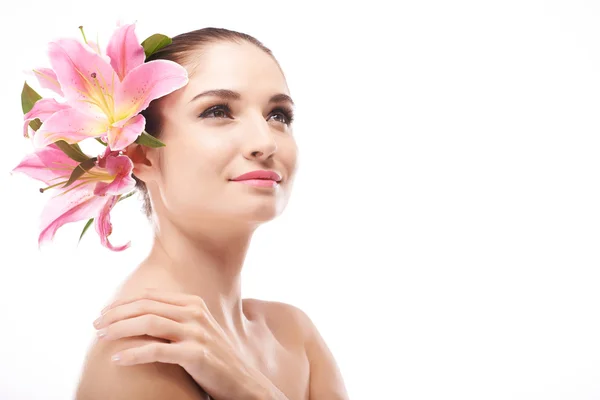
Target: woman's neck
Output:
[{"x": 207, "y": 265}]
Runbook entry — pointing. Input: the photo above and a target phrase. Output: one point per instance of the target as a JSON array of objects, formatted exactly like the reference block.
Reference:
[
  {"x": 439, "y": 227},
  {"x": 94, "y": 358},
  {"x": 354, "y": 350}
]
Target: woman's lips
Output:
[
  {"x": 259, "y": 182},
  {"x": 259, "y": 174},
  {"x": 260, "y": 178}
]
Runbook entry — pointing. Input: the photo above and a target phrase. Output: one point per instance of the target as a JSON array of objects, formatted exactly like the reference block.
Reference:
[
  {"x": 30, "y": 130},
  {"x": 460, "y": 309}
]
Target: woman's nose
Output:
[{"x": 260, "y": 142}]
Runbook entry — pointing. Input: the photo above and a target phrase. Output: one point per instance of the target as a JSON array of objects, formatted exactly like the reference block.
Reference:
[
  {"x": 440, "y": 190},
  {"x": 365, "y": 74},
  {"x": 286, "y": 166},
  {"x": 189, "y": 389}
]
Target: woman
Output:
[{"x": 178, "y": 323}]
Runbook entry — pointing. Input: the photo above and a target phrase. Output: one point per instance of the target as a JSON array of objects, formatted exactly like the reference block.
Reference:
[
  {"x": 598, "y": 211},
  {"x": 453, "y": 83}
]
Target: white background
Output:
[{"x": 444, "y": 231}]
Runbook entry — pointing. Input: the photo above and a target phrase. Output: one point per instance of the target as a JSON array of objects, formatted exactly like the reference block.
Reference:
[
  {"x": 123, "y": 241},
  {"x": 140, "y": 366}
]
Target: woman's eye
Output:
[
  {"x": 219, "y": 111},
  {"x": 287, "y": 115},
  {"x": 224, "y": 111},
  {"x": 283, "y": 118}
]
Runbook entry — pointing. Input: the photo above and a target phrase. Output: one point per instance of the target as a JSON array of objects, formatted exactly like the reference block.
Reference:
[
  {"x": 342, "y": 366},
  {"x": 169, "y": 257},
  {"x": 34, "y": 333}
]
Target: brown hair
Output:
[{"x": 186, "y": 49}]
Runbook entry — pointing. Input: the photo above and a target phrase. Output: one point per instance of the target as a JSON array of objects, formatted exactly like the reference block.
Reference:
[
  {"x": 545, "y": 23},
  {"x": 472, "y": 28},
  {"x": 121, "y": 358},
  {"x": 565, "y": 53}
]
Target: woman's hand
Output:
[{"x": 196, "y": 342}]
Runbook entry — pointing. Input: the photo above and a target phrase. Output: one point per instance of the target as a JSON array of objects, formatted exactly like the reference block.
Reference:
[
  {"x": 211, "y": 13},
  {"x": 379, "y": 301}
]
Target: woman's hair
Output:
[{"x": 186, "y": 49}]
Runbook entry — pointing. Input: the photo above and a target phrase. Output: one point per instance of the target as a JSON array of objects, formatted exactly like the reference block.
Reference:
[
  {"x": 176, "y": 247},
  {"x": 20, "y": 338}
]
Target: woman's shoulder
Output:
[
  {"x": 101, "y": 378},
  {"x": 281, "y": 318},
  {"x": 289, "y": 321}
]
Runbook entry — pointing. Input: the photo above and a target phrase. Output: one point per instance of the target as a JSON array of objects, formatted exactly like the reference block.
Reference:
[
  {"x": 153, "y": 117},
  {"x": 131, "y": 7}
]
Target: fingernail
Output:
[
  {"x": 97, "y": 322},
  {"x": 116, "y": 357},
  {"x": 101, "y": 333}
]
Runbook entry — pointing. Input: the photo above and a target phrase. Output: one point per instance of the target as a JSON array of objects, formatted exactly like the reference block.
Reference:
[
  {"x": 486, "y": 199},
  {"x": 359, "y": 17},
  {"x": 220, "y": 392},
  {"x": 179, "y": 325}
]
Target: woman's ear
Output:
[{"x": 143, "y": 160}]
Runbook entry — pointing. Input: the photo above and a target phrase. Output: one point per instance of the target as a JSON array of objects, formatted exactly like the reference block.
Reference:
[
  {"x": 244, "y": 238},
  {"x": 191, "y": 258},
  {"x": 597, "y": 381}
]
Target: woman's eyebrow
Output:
[{"x": 231, "y": 95}]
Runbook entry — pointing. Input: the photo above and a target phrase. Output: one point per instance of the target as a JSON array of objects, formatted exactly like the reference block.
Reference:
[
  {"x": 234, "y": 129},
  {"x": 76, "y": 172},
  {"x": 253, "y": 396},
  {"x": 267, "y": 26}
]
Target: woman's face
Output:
[{"x": 211, "y": 139}]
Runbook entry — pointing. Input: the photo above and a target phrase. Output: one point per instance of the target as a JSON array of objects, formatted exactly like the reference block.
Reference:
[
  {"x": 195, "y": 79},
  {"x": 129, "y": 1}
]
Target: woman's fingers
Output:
[
  {"x": 174, "y": 298},
  {"x": 139, "y": 308},
  {"x": 148, "y": 324},
  {"x": 167, "y": 315},
  {"x": 170, "y": 353}
]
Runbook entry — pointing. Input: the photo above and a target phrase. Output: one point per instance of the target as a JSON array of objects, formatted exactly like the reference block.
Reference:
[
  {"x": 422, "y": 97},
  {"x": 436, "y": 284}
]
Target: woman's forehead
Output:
[{"x": 236, "y": 66}]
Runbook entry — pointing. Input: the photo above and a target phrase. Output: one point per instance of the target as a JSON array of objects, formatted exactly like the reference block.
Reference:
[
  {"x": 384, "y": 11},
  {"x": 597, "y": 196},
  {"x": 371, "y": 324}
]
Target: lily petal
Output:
[
  {"x": 86, "y": 79},
  {"x": 120, "y": 167},
  {"x": 48, "y": 164},
  {"x": 69, "y": 206},
  {"x": 48, "y": 80},
  {"x": 104, "y": 226},
  {"x": 108, "y": 152},
  {"x": 125, "y": 132},
  {"x": 145, "y": 83},
  {"x": 42, "y": 109},
  {"x": 125, "y": 51},
  {"x": 69, "y": 125}
]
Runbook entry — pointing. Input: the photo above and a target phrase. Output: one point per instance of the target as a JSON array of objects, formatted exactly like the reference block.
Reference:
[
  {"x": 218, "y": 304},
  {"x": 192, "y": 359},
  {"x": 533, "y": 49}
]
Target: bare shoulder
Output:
[
  {"x": 102, "y": 379},
  {"x": 282, "y": 319},
  {"x": 288, "y": 321}
]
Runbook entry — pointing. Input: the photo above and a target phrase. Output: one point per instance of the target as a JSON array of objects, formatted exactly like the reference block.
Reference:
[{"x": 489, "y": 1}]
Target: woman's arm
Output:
[{"x": 101, "y": 379}]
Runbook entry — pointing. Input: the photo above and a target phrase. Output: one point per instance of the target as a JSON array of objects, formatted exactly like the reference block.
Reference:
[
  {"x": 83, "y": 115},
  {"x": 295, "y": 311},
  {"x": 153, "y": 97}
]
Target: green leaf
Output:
[
  {"x": 28, "y": 98},
  {"x": 148, "y": 140},
  {"x": 87, "y": 225},
  {"x": 80, "y": 170},
  {"x": 73, "y": 151},
  {"x": 154, "y": 43},
  {"x": 35, "y": 124},
  {"x": 126, "y": 196}
]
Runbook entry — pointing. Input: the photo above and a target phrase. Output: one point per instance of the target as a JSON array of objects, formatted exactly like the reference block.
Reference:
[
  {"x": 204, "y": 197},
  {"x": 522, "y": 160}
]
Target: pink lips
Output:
[{"x": 261, "y": 178}]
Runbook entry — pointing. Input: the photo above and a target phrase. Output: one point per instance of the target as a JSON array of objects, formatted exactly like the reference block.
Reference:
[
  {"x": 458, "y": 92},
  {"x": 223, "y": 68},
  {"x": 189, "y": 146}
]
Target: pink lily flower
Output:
[
  {"x": 92, "y": 195},
  {"x": 48, "y": 80},
  {"x": 42, "y": 109},
  {"x": 104, "y": 98}
]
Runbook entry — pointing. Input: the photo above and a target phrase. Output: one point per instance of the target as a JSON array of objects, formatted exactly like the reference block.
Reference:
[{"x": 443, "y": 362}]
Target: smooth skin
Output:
[{"x": 178, "y": 323}]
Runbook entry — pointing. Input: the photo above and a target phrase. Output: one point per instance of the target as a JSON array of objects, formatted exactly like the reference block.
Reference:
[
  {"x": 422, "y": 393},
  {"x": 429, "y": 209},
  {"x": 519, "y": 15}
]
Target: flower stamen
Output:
[{"x": 83, "y": 33}]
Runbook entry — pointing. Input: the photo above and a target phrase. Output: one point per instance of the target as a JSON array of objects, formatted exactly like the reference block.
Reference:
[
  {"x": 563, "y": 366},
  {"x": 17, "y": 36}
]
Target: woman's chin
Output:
[
  {"x": 260, "y": 214},
  {"x": 259, "y": 208},
  {"x": 243, "y": 210}
]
